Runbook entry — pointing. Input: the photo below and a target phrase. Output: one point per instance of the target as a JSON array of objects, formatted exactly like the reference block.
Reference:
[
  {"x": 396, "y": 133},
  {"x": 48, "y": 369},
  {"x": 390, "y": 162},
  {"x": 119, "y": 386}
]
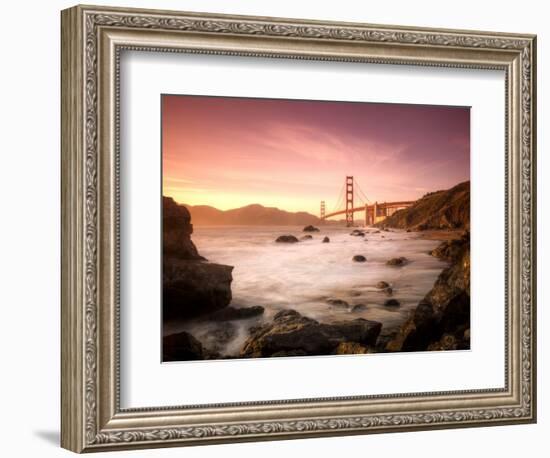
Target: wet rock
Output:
[
  {"x": 181, "y": 347},
  {"x": 444, "y": 311},
  {"x": 357, "y": 233},
  {"x": 392, "y": 303},
  {"x": 451, "y": 250},
  {"x": 286, "y": 239},
  {"x": 400, "y": 261},
  {"x": 233, "y": 313},
  {"x": 351, "y": 348},
  {"x": 337, "y": 303},
  {"x": 194, "y": 288},
  {"x": 359, "y": 258},
  {"x": 306, "y": 237},
  {"x": 326, "y": 240},
  {"x": 388, "y": 290},
  {"x": 292, "y": 332},
  {"x": 310, "y": 228},
  {"x": 447, "y": 342},
  {"x": 382, "y": 285},
  {"x": 358, "y": 308}
]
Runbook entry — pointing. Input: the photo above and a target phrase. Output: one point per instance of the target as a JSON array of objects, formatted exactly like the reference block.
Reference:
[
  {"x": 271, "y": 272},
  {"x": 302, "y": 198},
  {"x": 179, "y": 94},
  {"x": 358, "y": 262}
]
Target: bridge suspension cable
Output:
[
  {"x": 340, "y": 201},
  {"x": 361, "y": 194}
]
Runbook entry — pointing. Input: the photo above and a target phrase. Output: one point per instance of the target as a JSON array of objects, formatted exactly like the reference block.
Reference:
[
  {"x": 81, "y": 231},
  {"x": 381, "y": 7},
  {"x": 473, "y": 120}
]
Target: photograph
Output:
[{"x": 313, "y": 228}]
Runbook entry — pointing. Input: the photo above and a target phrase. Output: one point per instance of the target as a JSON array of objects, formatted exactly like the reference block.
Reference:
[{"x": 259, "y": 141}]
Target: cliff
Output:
[
  {"x": 191, "y": 286},
  {"x": 449, "y": 209},
  {"x": 176, "y": 231}
]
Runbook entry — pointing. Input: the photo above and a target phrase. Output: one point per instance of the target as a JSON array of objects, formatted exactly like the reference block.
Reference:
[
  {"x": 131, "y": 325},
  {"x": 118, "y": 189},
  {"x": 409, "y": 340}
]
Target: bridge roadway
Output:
[{"x": 381, "y": 207}]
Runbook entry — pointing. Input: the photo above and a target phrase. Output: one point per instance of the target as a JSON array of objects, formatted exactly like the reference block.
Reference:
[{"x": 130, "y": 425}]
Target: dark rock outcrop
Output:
[
  {"x": 181, "y": 347},
  {"x": 357, "y": 233},
  {"x": 382, "y": 285},
  {"x": 286, "y": 239},
  {"x": 194, "y": 288},
  {"x": 451, "y": 250},
  {"x": 326, "y": 240},
  {"x": 449, "y": 209},
  {"x": 359, "y": 258},
  {"x": 191, "y": 286},
  {"x": 306, "y": 237},
  {"x": 310, "y": 228},
  {"x": 444, "y": 312},
  {"x": 358, "y": 308},
  {"x": 176, "y": 231},
  {"x": 292, "y": 332}
]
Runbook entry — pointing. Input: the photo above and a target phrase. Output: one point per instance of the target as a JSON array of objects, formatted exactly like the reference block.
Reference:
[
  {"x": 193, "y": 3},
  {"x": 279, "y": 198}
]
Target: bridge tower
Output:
[
  {"x": 349, "y": 201},
  {"x": 323, "y": 210}
]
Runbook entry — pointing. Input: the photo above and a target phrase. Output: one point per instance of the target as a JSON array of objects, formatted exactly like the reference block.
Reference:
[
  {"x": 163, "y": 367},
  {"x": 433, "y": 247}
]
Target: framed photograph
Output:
[{"x": 277, "y": 228}]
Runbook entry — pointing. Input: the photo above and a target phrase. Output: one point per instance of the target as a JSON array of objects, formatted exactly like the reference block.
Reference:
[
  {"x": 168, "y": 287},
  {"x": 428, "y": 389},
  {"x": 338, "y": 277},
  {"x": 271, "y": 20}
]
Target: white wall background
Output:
[{"x": 29, "y": 228}]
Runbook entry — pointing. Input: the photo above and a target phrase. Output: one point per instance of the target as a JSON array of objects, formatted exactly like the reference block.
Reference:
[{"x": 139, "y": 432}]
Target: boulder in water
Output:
[
  {"x": 310, "y": 228},
  {"x": 397, "y": 262},
  {"x": 326, "y": 240},
  {"x": 392, "y": 303},
  {"x": 337, "y": 303},
  {"x": 359, "y": 258},
  {"x": 292, "y": 332},
  {"x": 286, "y": 239},
  {"x": 358, "y": 308}
]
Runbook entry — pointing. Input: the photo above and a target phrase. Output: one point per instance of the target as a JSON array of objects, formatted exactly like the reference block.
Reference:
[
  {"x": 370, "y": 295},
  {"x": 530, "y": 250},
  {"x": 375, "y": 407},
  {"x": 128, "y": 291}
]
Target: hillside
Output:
[
  {"x": 449, "y": 209},
  {"x": 251, "y": 215}
]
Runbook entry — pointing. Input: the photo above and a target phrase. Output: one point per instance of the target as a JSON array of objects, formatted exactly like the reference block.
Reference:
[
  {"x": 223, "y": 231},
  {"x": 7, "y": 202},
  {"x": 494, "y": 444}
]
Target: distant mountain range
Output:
[{"x": 251, "y": 215}]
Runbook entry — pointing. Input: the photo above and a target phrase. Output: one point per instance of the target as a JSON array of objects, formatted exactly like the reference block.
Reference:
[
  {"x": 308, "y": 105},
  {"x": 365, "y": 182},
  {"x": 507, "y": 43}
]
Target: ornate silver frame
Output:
[{"x": 92, "y": 39}]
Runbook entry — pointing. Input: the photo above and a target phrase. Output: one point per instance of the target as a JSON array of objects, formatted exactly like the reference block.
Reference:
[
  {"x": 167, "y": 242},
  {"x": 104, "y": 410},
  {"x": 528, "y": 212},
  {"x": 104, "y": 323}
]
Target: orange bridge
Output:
[{"x": 373, "y": 212}]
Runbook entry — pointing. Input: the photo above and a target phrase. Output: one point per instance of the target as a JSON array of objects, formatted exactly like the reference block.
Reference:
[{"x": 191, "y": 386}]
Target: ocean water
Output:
[{"x": 305, "y": 275}]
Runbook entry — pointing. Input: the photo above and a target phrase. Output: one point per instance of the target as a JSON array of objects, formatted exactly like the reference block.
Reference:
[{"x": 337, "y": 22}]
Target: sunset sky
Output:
[{"x": 231, "y": 152}]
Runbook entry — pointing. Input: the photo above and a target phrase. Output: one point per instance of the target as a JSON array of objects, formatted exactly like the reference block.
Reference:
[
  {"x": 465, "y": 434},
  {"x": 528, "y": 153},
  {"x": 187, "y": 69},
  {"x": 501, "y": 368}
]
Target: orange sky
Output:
[{"x": 230, "y": 152}]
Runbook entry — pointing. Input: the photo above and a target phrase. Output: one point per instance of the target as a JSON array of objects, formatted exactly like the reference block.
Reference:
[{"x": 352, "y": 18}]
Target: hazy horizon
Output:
[{"x": 230, "y": 153}]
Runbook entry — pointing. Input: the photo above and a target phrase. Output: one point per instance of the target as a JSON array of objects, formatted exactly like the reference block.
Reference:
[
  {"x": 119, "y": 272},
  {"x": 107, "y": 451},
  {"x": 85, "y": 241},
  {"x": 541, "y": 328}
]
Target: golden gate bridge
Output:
[{"x": 351, "y": 193}]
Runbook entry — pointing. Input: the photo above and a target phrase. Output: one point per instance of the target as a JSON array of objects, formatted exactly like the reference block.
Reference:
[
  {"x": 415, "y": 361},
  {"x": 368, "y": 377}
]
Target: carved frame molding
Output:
[{"x": 92, "y": 39}]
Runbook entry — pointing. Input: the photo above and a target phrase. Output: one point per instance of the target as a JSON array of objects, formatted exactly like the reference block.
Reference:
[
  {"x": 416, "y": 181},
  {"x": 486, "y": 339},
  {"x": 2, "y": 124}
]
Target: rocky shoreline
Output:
[
  {"x": 198, "y": 291},
  {"x": 441, "y": 321}
]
